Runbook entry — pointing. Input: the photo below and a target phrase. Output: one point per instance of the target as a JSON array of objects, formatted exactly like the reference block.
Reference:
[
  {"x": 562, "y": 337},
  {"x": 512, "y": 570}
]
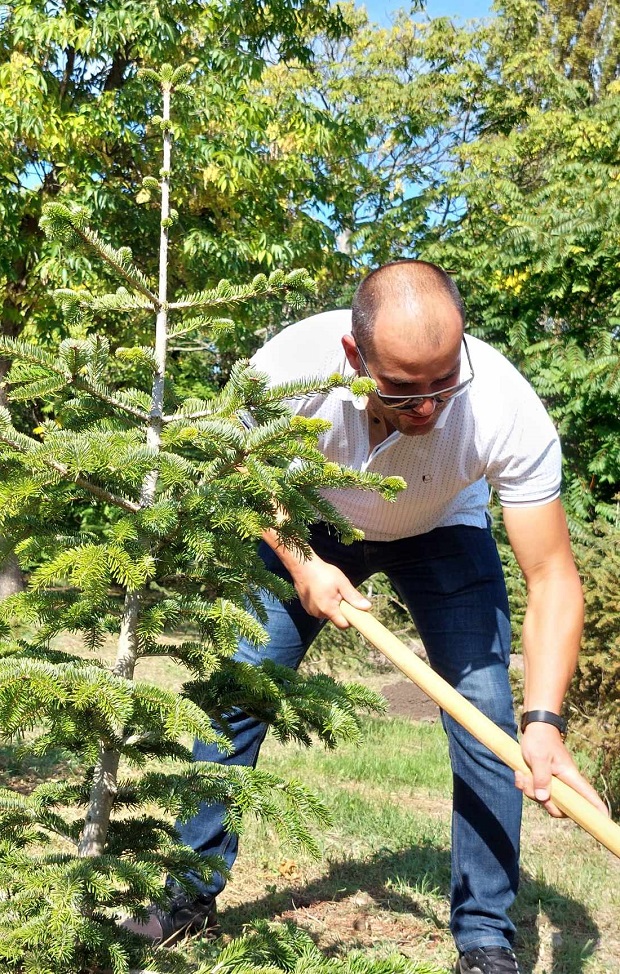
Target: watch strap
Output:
[{"x": 544, "y": 717}]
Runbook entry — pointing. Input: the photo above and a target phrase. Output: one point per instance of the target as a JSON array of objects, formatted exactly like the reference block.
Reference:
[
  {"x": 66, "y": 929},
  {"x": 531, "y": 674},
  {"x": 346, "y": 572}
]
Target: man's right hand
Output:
[{"x": 321, "y": 587}]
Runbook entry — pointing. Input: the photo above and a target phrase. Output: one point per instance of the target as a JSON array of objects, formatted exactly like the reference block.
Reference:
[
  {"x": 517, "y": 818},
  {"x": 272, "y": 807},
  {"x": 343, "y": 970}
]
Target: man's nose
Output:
[{"x": 426, "y": 408}]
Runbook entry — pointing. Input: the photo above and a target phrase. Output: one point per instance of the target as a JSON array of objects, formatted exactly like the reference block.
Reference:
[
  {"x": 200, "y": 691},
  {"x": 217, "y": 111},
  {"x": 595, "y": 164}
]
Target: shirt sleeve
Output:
[
  {"x": 524, "y": 464},
  {"x": 307, "y": 349}
]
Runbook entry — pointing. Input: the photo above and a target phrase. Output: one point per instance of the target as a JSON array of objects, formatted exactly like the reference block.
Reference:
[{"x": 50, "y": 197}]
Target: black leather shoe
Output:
[
  {"x": 487, "y": 960},
  {"x": 186, "y": 916}
]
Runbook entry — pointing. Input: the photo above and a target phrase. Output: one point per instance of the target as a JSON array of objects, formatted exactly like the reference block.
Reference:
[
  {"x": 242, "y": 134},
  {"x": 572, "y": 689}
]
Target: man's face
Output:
[{"x": 412, "y": 354}]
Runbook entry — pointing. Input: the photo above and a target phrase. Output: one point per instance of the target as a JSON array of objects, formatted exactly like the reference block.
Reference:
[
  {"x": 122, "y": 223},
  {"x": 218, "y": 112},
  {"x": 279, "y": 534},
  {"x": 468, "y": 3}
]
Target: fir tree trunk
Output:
[
  {"x": 101, "y": 799},
  {"x": 11, "y": 578},
  {"x": 105, "y": 778}
]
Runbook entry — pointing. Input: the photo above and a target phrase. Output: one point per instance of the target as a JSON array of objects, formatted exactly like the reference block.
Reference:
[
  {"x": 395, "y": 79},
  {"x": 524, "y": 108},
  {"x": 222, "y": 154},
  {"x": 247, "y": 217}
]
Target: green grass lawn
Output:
[{"x": 383, "y": 882}]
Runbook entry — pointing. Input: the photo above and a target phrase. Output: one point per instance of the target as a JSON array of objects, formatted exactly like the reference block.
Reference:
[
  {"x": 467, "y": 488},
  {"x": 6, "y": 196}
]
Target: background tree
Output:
[{"x": 535, "y": 246}]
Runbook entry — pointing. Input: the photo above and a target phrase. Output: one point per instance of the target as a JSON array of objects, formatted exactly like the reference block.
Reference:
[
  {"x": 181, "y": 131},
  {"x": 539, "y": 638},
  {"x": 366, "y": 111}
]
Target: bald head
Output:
[{"x": 416, "y": 290}]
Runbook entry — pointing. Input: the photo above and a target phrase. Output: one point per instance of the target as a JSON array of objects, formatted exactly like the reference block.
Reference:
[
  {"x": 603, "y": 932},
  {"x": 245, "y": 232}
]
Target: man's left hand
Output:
[{"x": 546, "y": 754}]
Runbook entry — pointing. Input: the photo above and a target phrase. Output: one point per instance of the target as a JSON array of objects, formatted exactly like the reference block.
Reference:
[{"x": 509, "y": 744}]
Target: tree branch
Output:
[
  {"x": 83, "y": 482},
  {"x": 115, "y": 77}
]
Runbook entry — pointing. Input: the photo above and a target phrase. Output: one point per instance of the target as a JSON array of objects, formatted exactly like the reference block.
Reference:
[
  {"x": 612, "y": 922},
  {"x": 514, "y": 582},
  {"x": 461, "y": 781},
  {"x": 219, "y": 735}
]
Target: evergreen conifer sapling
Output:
[{"x": 135, "y": 516}]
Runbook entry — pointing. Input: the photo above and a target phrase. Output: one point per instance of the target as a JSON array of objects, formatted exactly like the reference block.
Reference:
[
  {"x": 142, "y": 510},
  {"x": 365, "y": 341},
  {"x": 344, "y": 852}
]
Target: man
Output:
[{"x": 451, "y": 416}]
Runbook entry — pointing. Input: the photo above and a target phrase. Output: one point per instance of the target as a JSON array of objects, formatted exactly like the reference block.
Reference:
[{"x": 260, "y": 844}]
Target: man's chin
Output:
[{"x": 412, "y": 425}]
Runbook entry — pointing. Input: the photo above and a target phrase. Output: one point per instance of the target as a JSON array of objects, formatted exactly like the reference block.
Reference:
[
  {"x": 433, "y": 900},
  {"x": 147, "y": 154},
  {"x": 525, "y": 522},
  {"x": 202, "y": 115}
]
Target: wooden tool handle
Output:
[{"x": 481, "y": 727}]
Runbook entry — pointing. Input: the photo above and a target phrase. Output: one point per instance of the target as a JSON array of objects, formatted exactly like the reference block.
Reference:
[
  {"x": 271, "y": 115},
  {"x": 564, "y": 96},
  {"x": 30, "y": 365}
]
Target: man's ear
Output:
[{"x": 350, "y": 350}]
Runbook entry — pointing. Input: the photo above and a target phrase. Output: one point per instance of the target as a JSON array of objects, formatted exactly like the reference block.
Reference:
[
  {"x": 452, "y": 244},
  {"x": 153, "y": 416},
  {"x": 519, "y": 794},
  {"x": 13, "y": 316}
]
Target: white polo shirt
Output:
[{"x": 497, "y": 434}]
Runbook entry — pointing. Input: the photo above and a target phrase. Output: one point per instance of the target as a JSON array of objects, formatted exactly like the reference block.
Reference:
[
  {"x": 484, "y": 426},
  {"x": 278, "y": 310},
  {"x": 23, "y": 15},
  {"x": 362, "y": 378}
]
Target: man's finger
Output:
[
  {"x": 571, "y": 776},
  {"x": 347, "y": 594},
  {"x": 336, "y": 616},
  {"x": 525, "y": 783},
  {"x": 534, "y": 786},
  {"x": 541, "y": 776},
  {"x": 355, "y": 598}
]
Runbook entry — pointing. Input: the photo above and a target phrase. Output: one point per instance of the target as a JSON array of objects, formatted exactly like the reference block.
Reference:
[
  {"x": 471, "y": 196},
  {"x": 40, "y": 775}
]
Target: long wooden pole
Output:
[{"x": 481, "y": 727}]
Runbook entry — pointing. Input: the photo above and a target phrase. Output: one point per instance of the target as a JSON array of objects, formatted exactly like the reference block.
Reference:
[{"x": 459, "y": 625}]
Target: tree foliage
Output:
[
  {"x": 269, "y": 948},
  {"x": 314, "y": 137},
  {"x": 77, "y": 123}
]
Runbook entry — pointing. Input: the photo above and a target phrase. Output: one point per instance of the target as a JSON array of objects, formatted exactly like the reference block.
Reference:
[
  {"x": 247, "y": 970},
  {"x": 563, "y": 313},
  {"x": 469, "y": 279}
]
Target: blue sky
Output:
[{"x": 380, "y": 10}]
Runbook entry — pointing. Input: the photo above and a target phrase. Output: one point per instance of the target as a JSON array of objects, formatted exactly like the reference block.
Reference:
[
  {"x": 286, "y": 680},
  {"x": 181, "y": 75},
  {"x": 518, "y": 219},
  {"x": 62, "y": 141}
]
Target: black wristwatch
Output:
[{"x": 544, "y": 717}]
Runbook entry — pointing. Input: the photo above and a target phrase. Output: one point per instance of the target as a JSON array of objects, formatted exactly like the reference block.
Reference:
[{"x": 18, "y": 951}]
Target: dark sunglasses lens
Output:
[
  {"x": 412, "y": 402},
  {"x": 453, "y": 393}
]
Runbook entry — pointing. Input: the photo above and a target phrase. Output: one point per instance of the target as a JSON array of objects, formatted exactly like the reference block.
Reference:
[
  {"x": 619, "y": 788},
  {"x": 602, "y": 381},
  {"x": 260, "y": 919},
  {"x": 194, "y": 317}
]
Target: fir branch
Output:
[
  {"x": 226, "y": 293},
  {"x": 62, "y": 369},
  {"x": 119, "y": 300},
  {"x": 212, "y": 435},
  {"x": 316, "y": 385},
  {"x": 174, "y": 715},
  {"x": 99, "y": 492},
  {"x": 276, "y": 948},
  {"x": 218, "y": 325},
  {"x": 35, "y": 812},
  {"x": 27, "y": 352},
  {"x": 25, "y": 445},
  {"x": 98, "y": 391},
  {"x": 247, "y": 389},
  {"x": 59, "y": 220}
]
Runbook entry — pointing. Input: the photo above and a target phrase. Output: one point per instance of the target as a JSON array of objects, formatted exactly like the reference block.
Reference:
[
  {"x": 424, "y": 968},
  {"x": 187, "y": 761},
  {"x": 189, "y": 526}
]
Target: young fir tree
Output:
[{"x": 136, "y": 515}]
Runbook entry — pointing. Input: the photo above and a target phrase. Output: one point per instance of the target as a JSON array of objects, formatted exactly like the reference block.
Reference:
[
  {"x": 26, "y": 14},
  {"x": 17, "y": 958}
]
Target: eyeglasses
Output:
[{"x": 412, "y": 402}]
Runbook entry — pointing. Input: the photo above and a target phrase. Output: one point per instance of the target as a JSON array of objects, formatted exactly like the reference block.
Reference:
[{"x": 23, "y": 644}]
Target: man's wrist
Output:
[
  {"x": 545, "y": 717},
  {"x": 300, "y": 567}
]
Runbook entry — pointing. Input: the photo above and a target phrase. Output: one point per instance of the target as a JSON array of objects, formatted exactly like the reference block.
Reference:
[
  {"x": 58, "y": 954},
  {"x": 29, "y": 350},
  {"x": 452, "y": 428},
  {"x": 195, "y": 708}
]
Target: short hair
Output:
[{"x": 400, "y": 280}]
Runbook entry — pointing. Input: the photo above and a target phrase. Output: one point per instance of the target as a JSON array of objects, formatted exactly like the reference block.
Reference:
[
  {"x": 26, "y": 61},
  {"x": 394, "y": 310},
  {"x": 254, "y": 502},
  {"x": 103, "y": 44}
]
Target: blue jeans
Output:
[{"x": 452, "y": 583}]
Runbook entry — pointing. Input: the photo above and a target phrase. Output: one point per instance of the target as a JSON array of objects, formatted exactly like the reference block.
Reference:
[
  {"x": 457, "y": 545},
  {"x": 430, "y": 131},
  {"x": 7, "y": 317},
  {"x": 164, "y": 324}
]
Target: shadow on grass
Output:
[
  {"x": 573, "y": 934},
  {"x": 22, "y": 771},
  {"x": 385, "y": 877}
]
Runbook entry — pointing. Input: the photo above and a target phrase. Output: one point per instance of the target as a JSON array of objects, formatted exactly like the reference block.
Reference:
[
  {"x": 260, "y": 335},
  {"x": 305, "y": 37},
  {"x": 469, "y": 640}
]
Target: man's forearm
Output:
[
  {"x": 554, "y": 617},
  {"x": 551, "y": 638}
]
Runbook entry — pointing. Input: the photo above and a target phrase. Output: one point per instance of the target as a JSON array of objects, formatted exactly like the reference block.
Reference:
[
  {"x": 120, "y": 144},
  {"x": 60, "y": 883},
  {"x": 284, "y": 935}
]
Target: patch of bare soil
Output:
[
  {"x": 363, "y": 921},
  {"x": 349, "y": 907},
  {"x": 405, "y": 699}
]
